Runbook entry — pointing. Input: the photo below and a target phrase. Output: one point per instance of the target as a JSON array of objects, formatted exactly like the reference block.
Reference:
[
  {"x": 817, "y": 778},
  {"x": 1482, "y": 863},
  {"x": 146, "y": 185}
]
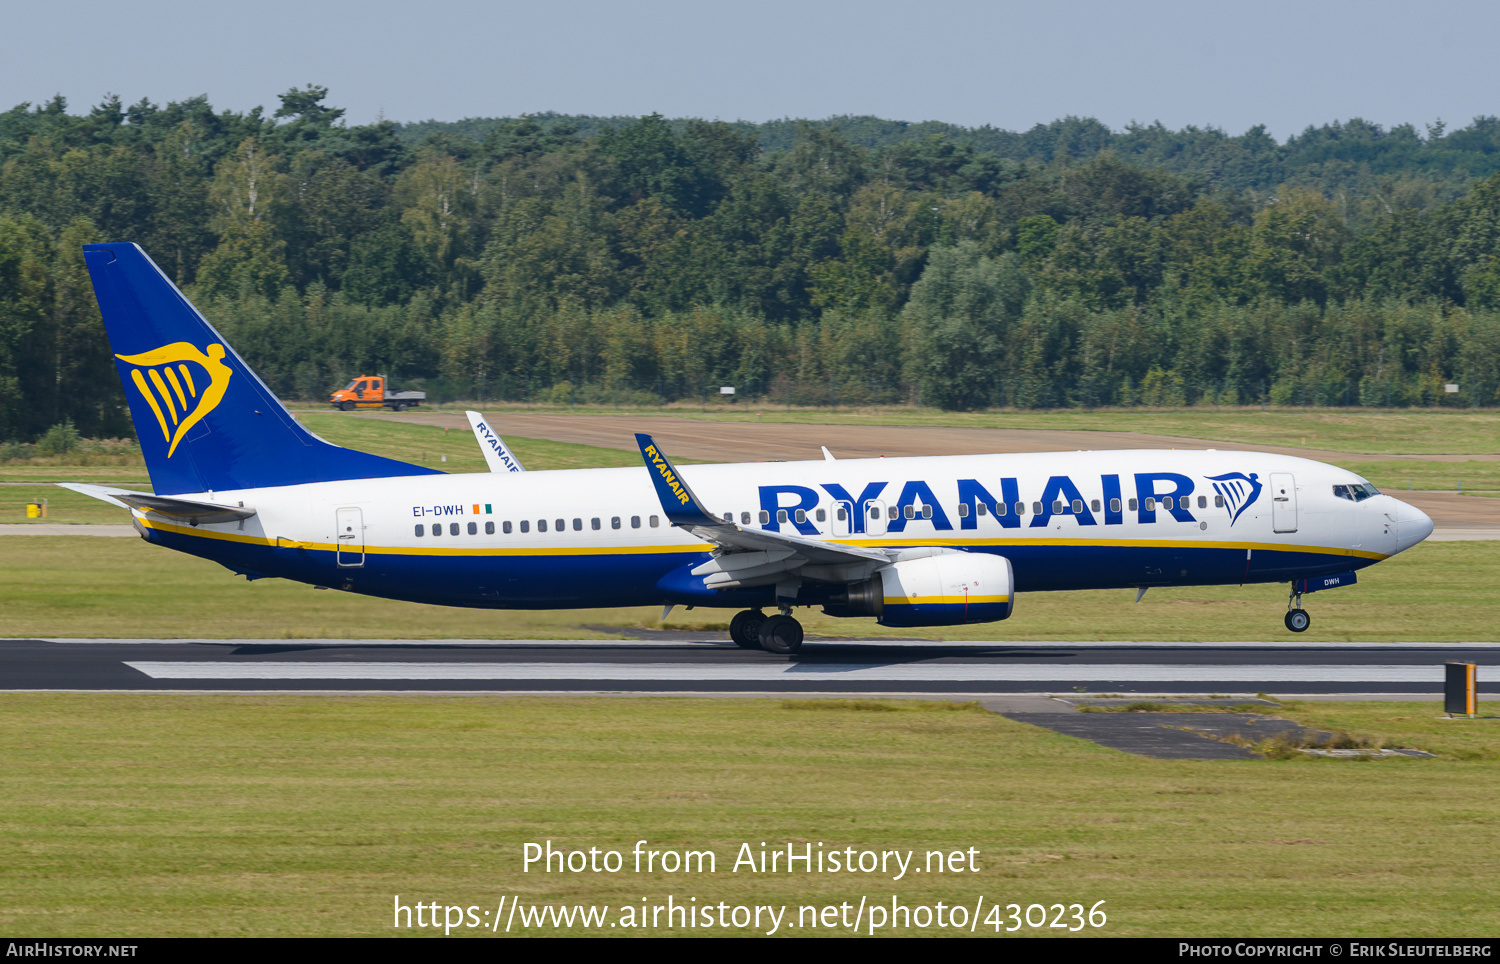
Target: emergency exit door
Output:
[
  {"x": 1283, "y": 502},
  {"x": 350, "y": 538}
]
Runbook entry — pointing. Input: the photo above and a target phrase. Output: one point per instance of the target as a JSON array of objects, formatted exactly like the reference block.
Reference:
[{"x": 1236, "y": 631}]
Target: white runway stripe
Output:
[{"x": 787, "y": 672}]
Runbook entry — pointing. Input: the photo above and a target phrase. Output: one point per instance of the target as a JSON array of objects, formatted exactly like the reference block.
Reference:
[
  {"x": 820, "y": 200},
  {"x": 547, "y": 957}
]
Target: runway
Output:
[{"x": 712, "y": 666}]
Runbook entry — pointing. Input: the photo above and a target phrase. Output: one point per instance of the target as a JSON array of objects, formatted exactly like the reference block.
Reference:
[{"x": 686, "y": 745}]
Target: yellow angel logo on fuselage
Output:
[{"x": 173, "y": 392}]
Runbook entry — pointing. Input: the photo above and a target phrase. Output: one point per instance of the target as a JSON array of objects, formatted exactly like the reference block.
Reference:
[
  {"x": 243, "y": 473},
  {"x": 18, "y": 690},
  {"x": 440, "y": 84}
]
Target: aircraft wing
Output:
[
  {"x": 746, "y": 556},
  {"x": 496, "y": 455},
  {"x": 171, "y": 506}
]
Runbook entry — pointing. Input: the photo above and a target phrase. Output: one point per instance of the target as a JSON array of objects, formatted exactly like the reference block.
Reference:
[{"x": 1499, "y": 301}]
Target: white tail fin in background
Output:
[{"x": 496, "y": 455}]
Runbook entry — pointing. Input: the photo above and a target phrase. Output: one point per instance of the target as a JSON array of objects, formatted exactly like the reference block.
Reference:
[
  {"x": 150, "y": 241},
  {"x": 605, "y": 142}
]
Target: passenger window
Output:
[
  {"x": 1078, "y": 506},
  {"x": 1094, "y": 505},
  {"x": 473, "y": 528},
  {"x": 978, "y": 507},
  {"x": 1058, "y": 507},
  {"x": 1133, "y": 505},
  {"x": 1036, "y": 508},
  {"x": 765, "y": 516},
  {"x": 780, "y": 515},
  {"x": 437, "y": 529},
  {"x": 800, "y": 516},
  {"x": 489, "y": 528},
  {"x": 729, "y": 517},
  {"x": 1002, "y": 508},
  {"x": 635, "y": 522},
  {"x": 894, "y": 513},
  {"x": 1218, "y": 502},
  {"x": 822, "y": 515},
  {"x": 1150, "y": 505},
  {"x": 453, "y": 528},
  {"x": 840, "y": 514},
  {"x": 421, "y": 530},
  {"x": 594, "y": 523},
  {"x": 525, "y": 525},
  {"x": 541, "y": 525},
  {"x": 655, "y": 522},
  {"x": 911, "y": 512},
  {"x": 963, "y": 510},
  {"x": 1202, "y": 502},
  {"x": 577, "y": 525},
  {"x": 505, "y": 527},
  {"x": 1020, "y": 508},
  {"x": 927, "y": 512},
  {"x": 1114, "y": 505},
  {"x": 744, "y": 518},
  {"x": 614, "y": 522}
]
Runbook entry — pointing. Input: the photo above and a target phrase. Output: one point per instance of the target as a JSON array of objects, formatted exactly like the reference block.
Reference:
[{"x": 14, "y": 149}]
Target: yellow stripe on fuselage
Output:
[
  {"x": 705, "y": 547},
  {"x": 945, "y": 600}
]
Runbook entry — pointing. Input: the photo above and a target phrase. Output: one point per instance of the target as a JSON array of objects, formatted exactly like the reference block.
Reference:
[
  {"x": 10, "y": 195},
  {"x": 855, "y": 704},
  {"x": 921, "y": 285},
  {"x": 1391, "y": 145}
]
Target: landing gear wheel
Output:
[
  {"x": 744, "y": 628},
  {"x": 1298, "y": 620},
  {"x": 346, "y": 406},
  {"x": 781, "y": 635}
]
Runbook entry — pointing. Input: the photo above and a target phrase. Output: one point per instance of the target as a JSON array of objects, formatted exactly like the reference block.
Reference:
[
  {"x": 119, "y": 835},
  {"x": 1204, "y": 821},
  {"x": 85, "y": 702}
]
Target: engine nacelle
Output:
[{"x": 947, "y": 589}]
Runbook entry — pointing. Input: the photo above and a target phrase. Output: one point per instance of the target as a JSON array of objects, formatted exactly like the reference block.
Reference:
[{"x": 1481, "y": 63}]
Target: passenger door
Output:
[{"x": 1283, "y": 502}]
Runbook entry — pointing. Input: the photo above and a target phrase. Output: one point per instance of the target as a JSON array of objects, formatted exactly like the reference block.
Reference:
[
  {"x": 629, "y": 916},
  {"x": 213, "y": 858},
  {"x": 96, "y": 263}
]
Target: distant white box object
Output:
[
  {"x": 1451, "y": 389},
  {"x": 729, "y": 390}
]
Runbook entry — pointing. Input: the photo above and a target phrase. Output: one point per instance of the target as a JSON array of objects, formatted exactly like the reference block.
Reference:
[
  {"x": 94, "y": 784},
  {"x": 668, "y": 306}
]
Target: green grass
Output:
[
  {"x": 292, "y": 815},
  {"x": 427, "y": 444},
  {"x": 72, "y": 586}
]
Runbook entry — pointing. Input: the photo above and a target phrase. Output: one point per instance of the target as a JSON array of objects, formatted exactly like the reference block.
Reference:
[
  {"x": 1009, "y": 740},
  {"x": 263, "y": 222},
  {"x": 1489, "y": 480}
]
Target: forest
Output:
[{"x": 847, "y": 261}]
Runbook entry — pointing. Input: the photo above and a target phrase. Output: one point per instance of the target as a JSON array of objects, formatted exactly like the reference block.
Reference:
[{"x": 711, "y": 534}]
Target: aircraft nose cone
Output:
[{"x": 1412, "y": 526}]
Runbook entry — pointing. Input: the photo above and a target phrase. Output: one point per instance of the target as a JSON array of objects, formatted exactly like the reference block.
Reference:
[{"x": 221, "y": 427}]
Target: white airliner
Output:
[{"x": 910, "y": 541}]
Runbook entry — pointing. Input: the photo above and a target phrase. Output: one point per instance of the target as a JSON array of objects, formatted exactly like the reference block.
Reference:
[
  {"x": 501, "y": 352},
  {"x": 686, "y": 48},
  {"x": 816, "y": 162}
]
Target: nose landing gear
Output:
[{"x": 1297, "y": 619}]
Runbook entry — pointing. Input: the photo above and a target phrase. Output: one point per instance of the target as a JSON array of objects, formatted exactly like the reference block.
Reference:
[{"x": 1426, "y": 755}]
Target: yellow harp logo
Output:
[{"x": 174, "y": 393}]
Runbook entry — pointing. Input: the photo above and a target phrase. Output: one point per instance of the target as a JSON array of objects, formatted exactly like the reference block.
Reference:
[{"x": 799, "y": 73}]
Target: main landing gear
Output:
[
  {"x": 753, "y": 629},
  {"x": 744, "y": 628},
  {"x": 1297, "y": 619}
]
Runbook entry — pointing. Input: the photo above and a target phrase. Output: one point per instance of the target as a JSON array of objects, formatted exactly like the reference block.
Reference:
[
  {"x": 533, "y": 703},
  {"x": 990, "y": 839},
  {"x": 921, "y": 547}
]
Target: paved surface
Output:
[
  {"x": 752, "y": 441},
  {"x": 714, "y": 666},
  {"x": 1181, "y": 736}
]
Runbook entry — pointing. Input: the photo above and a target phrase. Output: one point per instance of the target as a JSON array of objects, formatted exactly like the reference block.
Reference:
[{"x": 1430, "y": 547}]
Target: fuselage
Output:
[{"x": 598, "y": 537}]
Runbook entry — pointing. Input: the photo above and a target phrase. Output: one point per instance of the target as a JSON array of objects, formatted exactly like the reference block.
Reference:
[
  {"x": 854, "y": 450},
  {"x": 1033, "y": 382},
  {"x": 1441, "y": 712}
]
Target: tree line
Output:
[{"x": 853, "y": 261}]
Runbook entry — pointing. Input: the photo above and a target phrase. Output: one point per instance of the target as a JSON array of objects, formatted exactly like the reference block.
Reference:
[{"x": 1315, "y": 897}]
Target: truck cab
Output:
[{"x": 370, "y": 391}]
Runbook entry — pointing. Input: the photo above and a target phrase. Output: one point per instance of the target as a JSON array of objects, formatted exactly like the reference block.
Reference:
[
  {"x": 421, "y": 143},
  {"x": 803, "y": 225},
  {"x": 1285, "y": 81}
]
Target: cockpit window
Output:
[{"x": 1358, "y": 492}]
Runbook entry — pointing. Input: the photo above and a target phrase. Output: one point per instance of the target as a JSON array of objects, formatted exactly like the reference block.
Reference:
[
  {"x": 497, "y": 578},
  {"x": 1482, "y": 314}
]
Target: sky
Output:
[{"x": 1285, "y": 65}]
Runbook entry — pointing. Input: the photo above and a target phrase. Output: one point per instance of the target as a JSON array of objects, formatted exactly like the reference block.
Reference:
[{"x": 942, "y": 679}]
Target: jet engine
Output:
[{"x": 946, "y": 589}]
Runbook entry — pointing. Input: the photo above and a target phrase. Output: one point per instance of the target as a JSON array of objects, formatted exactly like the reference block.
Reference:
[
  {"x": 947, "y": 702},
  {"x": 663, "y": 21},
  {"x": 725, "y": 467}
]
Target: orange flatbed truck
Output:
[{"x": 369, "y": 391}]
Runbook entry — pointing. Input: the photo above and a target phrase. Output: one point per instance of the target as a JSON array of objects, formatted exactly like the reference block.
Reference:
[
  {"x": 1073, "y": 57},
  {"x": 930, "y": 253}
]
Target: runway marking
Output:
[{"x": 787, "y": 672}]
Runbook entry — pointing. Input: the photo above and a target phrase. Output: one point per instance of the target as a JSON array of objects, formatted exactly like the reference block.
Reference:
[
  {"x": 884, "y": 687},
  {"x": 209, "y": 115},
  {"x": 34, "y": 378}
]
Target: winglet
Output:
[
  {"x": 496, "y": 455},
  {"x": 681, "y": 506}
]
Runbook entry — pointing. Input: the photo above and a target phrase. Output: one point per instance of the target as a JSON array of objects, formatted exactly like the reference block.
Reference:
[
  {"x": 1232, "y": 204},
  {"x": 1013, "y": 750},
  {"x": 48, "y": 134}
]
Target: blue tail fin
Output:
[{"x": 205, "y": 421}]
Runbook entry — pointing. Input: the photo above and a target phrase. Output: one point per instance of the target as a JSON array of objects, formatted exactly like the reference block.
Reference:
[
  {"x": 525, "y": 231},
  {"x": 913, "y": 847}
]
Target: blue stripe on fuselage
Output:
[{"x": 590, "y": 580}]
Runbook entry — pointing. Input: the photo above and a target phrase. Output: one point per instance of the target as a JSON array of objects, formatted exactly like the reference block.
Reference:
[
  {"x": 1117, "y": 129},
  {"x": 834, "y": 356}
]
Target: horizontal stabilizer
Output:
[{"x": 188, "y": 510}]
